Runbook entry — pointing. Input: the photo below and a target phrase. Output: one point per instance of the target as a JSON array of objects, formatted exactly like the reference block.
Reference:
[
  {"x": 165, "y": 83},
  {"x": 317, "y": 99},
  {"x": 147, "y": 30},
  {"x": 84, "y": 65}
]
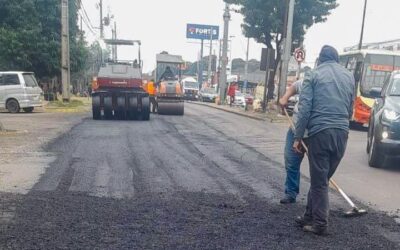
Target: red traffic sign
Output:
[{"x": 299, "y": 55}]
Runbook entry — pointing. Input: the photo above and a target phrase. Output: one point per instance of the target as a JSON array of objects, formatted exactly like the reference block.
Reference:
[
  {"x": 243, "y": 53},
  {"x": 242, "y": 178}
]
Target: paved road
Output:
[{"x": 205, "y": 180}]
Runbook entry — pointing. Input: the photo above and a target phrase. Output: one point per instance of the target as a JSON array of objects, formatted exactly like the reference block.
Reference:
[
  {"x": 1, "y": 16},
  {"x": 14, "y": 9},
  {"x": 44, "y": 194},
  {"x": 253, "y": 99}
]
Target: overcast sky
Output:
[{"x": 161, "y": 25}]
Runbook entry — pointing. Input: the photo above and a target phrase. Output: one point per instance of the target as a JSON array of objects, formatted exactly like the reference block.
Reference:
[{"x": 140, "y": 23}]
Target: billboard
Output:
[{"x": 202, "y": 32}]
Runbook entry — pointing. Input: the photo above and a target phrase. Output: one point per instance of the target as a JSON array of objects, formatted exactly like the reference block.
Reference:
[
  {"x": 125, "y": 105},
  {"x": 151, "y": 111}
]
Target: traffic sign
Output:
[{"x": 299, "y": 55}]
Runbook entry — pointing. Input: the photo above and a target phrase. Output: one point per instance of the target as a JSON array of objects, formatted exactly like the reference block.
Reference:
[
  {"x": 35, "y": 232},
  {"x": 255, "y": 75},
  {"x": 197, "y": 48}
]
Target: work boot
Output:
[
  {"x": 303, "y": 221},
  {"x": 320, "y": 231},
  {"x": 288, "y": 200}
]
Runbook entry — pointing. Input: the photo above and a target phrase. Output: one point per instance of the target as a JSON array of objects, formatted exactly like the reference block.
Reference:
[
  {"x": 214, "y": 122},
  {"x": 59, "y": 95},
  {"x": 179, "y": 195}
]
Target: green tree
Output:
[
  {"x": 264, "y": 21},
  {"x": 30, "y": 37}
]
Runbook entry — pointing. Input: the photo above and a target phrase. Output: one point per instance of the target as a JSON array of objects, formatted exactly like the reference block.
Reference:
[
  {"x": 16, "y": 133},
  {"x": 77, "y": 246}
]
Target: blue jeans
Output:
[{"x": 292, "y": 164}]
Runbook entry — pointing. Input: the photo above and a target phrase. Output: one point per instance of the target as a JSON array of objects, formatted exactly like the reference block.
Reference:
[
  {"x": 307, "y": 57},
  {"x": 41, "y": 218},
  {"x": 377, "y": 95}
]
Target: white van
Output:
[{"x": 19, "y": 90}]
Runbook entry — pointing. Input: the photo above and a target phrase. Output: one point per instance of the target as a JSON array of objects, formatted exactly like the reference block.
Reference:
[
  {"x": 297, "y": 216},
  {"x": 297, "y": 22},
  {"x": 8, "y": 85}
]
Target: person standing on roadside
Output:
[
  {"x": 292, "y": 158},
  {"x": 325, "y": 108}
]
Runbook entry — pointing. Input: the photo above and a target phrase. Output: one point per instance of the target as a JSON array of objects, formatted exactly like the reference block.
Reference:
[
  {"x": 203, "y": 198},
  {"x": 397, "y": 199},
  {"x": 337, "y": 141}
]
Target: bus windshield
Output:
[
  {"x": 192, "y": 85},
  {"x": 376, "y": 69}
]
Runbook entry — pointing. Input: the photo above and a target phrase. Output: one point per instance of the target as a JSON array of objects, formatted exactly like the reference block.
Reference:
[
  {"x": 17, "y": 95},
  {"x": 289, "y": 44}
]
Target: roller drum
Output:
[{"x": 171, "y": 108}]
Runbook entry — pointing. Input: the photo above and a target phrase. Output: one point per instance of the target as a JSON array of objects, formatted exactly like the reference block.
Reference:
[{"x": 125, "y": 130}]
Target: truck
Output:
[
  {"x": 117, "y": 91},
  {"x": 169, "y": 94},
  {"x": 191, "y": 88}
]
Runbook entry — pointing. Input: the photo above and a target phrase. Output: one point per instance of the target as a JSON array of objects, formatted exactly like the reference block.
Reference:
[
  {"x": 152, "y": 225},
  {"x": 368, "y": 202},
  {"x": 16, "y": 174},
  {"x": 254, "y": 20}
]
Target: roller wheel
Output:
[
  {"x": 145, "y": 108},
  {"x": 133, "y": 108},
  {"x": 96, "y": 110},
  {"x": 120, "y": 113},
  {"x": 108, "y": 108}
]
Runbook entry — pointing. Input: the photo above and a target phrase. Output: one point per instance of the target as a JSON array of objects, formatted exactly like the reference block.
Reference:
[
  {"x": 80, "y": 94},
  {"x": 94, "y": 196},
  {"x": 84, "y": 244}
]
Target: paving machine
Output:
[
  {"x": 169, "y": 94},
  {"x": 117, "y": 90}
]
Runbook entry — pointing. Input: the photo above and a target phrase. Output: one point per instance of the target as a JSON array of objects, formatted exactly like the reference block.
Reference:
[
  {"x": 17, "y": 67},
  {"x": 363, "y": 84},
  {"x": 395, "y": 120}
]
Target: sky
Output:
[{"x": 161, "y": 26}]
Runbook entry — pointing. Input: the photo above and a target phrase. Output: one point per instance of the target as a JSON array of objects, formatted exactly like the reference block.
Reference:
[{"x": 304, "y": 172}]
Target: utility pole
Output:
[
  {"x": 200, "y": 73},
  {"x": 114, "y": 47},
  {"x": 65, "y": 60},
  {"x": 210, "y": 57},
  {"x": 101, "y": 20},
  {"x": 362, "y": 26},
  {"x": 246, "y": 66},
  {"x": 222, "y": 90},
  {"x": 287, "y": 50}
]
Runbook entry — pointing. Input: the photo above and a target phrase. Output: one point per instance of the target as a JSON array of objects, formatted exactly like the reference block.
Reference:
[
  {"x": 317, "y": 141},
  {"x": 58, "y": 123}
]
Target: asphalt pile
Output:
[{"x": 184, "y": 220}]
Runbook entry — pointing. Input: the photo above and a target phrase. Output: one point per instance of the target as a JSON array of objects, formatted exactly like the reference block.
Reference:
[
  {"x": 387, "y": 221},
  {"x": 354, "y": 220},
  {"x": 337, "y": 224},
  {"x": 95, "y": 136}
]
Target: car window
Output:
[
  {"x": 30, "y": 80},
  {"x": 386, "y": 84},
  {"x": 11, "y": 79},
  {"x": 1, "y": 80},
  {"x": 395, "y": 87}
]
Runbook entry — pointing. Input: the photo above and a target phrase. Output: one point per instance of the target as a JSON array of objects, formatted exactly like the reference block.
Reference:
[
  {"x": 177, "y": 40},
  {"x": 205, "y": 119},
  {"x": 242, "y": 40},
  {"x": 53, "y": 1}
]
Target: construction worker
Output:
[
  {"x": 325, "y": 108},
  {"x": 292, "y": 158},
  {"x": 150, "y": 88}
]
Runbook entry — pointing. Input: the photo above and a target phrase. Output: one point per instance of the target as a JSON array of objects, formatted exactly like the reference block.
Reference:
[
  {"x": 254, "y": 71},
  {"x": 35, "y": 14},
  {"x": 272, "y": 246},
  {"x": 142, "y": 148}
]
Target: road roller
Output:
[
  {"x": 118, "y": 92},
  {"x": 169, "y": 94}
]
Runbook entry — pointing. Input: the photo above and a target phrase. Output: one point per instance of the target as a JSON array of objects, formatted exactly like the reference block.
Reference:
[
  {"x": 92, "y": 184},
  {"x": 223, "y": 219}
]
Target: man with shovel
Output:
[{"x": 325, "y": 107}]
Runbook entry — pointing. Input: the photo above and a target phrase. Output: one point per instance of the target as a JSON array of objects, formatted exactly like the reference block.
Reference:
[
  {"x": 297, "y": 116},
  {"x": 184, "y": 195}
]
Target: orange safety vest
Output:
[{"x": 150, "y": 88}]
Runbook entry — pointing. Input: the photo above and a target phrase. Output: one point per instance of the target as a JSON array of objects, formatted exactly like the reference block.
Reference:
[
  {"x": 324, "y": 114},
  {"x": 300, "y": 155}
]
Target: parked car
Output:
[
  {"x": 19, "y": 90},
  {"x": 207, "y": 95},
  {"x": 384, "y": 123},
  {"x": 240, "y": 99}
]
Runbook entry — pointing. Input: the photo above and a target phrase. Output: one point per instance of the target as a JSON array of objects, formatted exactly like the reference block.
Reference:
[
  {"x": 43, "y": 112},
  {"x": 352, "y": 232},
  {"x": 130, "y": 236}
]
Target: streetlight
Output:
[{"x": 362, "y": 26}]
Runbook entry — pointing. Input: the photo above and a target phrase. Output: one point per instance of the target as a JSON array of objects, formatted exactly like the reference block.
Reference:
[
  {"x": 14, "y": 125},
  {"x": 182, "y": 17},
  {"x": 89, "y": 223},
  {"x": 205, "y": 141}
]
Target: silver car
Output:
[{"x": 19, "y": 90}]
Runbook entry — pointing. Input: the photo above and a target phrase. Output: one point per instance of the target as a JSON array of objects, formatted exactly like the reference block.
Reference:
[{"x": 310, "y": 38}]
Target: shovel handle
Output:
[{"x": 336, "y": 186}]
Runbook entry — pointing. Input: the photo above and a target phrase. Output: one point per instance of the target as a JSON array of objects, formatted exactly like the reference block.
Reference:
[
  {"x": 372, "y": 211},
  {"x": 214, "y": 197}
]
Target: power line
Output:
[
  {"x": 85, "y": 18},
  {"x": 87, "y": 24}
]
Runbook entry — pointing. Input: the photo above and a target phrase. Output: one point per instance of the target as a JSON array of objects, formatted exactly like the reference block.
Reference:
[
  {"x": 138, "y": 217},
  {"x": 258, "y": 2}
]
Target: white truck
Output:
[{"x": 191, "y": 88}]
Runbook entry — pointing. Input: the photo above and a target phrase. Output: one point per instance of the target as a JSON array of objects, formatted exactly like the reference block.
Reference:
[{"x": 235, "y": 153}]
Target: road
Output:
[{"x": 207, "y": 180}]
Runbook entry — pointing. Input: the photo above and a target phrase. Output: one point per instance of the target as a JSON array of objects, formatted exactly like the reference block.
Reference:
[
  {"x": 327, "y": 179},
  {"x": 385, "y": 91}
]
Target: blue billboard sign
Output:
[{"x": 202, "y": 32}]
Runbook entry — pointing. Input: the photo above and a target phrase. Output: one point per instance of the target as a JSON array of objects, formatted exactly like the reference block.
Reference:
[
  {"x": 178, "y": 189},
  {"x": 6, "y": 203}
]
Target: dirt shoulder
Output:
[{"x": 22, "y": 158}]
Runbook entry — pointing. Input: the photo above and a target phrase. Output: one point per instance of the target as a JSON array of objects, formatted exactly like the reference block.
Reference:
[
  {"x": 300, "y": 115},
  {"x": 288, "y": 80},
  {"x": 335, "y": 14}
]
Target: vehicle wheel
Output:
[
  {"x": 120, "y": 113},
  {"x": 96, "y": 109},
  {"x": 369, "y": 134},
  {"x": 108, "y": 108},
  {"x": 28, "y": 110},
  {"x": 133, "y": 108},
  {"x": 145, "y": 108},
  {"x": 375, "y": 156},
  {"x": 13, "y": 106}
]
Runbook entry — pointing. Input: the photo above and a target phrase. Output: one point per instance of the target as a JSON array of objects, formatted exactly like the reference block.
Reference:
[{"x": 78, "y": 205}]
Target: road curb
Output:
[{"x": 230, "y": 111}]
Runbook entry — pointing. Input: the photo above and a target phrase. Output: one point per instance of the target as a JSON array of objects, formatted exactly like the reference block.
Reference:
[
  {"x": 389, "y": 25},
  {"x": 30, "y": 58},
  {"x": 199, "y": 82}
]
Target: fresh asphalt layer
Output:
[{"x": 206, "y": 180}]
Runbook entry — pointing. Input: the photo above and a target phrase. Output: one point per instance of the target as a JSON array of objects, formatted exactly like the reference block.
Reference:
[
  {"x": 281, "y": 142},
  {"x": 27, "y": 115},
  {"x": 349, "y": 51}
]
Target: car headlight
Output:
[{"x": 390, "y": 115}]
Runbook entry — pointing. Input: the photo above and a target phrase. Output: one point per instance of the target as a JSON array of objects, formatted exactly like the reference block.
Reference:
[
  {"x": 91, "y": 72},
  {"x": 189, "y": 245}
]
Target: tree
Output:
[
  {"x": 30, "y": 37},
  {"x": 264, "y": 21}
]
